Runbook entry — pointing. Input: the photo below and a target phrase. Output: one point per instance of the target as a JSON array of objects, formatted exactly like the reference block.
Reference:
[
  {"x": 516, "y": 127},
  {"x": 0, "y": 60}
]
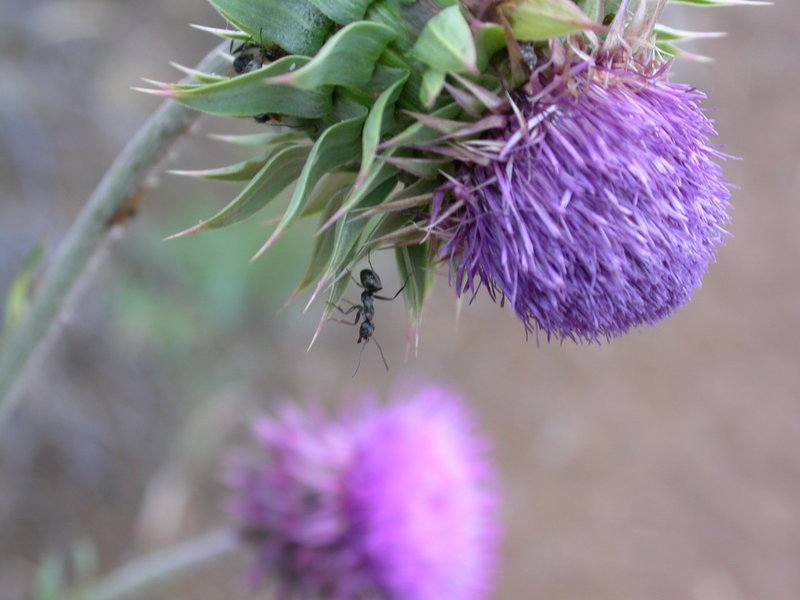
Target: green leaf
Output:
[
  {"x": 347, "y": 58},
  {"x": 544, "y": 19},
  {"x": 323, "y": 246},
  {"x": 446, "y": 43},
  {"x": 489, "y": 39},
  {"x": 297, "y": 26},
  {"x": 258, "y": 93},
  {"x": 343, "y": 12},
  {"x": 349, "y": 231},
  {"x": 275, "y": 136},
  {"x": 380, "y": 119},
  {"x": 20, "y": 292},
  {"x": 332, "y": 185},
  {"x": 338, "y": 145},
  {"x": 377, "y": 175},
  {"x": 419, "y": 133},
  {"x": 664, "y": 33},
  {"x": 241, "y": 171},
  {"x": 432, "y": 84},
  {"x": 415, "y": 265},
  {"x": 273, "y": 178}
]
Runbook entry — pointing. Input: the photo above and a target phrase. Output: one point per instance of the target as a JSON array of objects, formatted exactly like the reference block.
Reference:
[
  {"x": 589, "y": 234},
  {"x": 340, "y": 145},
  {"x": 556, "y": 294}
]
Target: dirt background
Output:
[{"x": 663, "y": 466}]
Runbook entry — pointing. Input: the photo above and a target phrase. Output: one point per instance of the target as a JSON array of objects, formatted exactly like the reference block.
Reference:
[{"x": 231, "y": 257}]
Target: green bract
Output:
[{"x": 370, "y": 104}]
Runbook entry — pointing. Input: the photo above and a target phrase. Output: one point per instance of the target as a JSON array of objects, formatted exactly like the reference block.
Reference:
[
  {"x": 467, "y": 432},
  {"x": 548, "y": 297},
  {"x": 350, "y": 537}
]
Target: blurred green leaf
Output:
[
  {"x": 281, "y": 170},
  {"x": 297, "y": 26},
  {"x": 343, "y": 12},
  {"x": 446, "y": 43},
  {"x": 414, "y": 263},
  {"x": 544, "y": 19}
]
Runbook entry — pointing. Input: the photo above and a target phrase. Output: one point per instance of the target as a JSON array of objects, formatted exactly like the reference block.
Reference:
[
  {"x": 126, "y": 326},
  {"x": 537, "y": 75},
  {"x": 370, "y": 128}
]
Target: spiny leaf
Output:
[
  {"x": 446, "y": 43},
  {"x": 544, "y": 19},
  {"x": 419, "y": 133},
  {"x": 297, "y": 26},
  {"x": 432, "y": 84},
  {"x": 338, "y": 145},
  {"x": 664, "y": 33},
  {"x": 241, "y": 171},
  {"x": 333, "y": 184},
  {"x": 276, "y": 175},
  {"x": 414, "y": 264},
  {"x": 323, "y": 246},
  {"x": 198, "y": 75},
  {"x": 347, "y": 58},
  {"x": 380, "y": 119},
  {"x": 228, "y": 34},
  {"x": 276, "y": 136},
  {"x": 258, "y": 93},
  {"x": 377, "y": 175},
  {"x": 348, "y": 232}
]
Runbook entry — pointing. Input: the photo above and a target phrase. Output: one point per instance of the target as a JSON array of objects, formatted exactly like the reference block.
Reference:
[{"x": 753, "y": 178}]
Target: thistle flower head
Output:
[
  {"x": 391, "y": 502},
  {"x": 388, "y": 115},
  {"x": 603, "y": 209}
]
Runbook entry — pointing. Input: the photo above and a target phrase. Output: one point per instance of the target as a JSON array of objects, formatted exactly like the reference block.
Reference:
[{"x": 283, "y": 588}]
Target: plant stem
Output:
[
  {"x": 144, "y": 574},
  {"x": 113, "y": 197}
]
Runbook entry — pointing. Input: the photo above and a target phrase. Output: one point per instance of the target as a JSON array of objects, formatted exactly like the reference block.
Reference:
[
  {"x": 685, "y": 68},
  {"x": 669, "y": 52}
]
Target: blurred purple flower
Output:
[
  {"x": 393, "y": 502},
  {"x": 602, "y": 213}
]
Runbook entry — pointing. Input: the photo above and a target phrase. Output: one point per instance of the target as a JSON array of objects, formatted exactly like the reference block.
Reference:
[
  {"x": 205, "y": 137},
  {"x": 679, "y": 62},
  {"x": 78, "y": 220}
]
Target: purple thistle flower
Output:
[
  {"x": 393, "y": 503},
  {"x": 601, "y": 213}
]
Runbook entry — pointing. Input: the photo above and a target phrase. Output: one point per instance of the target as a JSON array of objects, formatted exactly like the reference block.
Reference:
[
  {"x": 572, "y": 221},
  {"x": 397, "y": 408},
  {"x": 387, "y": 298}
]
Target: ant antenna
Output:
[
  {"x": 358, "y": 366},
  {"x": 385, "y": 364},
  {"x": 361, "y": 352}
]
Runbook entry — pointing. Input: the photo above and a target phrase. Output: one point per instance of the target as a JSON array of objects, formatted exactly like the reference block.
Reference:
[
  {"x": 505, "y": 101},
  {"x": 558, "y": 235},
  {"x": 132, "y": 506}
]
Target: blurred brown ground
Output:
[{"x": 664, "y": 465}]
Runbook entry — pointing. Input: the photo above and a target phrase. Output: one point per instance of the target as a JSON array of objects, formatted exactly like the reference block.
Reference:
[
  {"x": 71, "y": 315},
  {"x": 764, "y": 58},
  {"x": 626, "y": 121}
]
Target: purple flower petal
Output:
[
  {"x": 393, "y": 502},
  {"x": 604, "y": 217}
]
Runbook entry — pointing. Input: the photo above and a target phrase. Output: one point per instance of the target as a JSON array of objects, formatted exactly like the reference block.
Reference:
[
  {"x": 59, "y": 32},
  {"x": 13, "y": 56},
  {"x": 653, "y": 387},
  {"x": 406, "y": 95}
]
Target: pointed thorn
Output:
[
  {"x": 196, "y": 229},
  {"x": 195, "y": 174},
  {"x": 320, "y": 286},
  {"x": 316, "y": 333},
  {"x": 337, "y": 215},
  {"x": 291, "y": 299},
  {"x": 156, "y": 82},
  {"x": 168, "y": 94},
  {"x": 275, "y": 235}
]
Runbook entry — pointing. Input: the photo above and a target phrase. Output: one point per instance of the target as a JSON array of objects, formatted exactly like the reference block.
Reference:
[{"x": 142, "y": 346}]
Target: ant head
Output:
[{"x": 370, "y": 280}]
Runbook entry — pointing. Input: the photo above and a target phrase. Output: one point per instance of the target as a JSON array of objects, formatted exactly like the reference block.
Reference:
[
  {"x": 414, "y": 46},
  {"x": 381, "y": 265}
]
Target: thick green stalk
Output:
[
  {"x": 142, "y": 575},
  {"x": 117, "y": 190}
]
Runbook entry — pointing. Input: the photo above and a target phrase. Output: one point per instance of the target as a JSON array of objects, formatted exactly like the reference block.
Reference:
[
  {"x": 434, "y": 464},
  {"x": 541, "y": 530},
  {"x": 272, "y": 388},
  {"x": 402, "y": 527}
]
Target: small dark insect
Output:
[
  {"x": 250, "y": 56},
  {"x": 370, "y": 283}
]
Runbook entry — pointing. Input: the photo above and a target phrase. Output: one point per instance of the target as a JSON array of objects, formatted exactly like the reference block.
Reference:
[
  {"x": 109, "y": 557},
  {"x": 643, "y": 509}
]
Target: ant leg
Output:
[
  {"x": 358, "y": 366},
  {"x": 385, "y": 364},
  {"x": 355, "y": 280},
  {"x": 405, "y": 283},
  {"x": 354, "y": 307}
]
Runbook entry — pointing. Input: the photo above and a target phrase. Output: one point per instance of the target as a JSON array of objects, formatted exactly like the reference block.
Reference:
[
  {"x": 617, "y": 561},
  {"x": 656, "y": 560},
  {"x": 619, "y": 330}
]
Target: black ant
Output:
[
  {"x": 370, "y": 283},
  {"x": 250, "y": 56}
]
